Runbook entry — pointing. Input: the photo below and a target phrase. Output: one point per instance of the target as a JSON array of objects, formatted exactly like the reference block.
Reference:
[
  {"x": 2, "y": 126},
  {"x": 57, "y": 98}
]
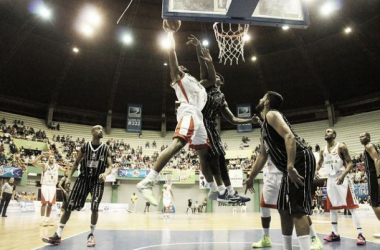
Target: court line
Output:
[
  {"x": 47, "y": 244},
  {"x": 197, "y": 243}
]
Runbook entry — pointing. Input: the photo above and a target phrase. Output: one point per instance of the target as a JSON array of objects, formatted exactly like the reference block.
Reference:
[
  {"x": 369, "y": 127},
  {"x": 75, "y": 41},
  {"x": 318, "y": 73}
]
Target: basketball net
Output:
[{"x": 230, "y": 41}]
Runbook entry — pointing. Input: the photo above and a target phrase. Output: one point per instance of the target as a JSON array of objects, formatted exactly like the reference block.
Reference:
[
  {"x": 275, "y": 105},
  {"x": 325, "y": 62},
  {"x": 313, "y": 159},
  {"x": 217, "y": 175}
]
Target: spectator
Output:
[{"x": 317, "y": 148}]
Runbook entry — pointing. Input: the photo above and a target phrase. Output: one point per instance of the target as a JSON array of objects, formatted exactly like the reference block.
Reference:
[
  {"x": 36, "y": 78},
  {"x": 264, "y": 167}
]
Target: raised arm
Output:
[
  {"x": 320, "y": 161},
  {"x": 39, "y": 165},
  {"x": 211, "y": 74},
  {"x": 276, "y": 120},
  {"x": 343, "y": 153},
  {"x": 257, "y": 167},
  {"x": 203, "y": 68},
  {"x": 175, "y": 71}
]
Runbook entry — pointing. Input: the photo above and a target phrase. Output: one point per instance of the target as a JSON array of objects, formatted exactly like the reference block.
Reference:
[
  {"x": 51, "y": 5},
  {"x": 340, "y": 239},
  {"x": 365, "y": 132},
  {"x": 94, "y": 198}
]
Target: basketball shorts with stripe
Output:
[
  {"x": 298, "y": 200},
  {"x": 192, "y": 130},
  {"x": 82, "y": 187},
  {"x": 48, "y": 194},
  {"x": 271, "y": 189},
  {"x": 374, "y": 189}
]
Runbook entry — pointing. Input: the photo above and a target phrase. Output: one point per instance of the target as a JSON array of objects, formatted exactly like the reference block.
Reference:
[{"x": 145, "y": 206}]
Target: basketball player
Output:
[
  {"x": 295, "y": 161},
  {"x": 95, "y": 164},
  {"x": 49, "y": 180},
  {"x": 217, "y": 105},
  {"x": 65, "y": 189},
  {"x": 372, "y": 163},
  {"x": 340, "y": 190},
  {"x": 190, "y": 129},
  {"x": 272, "y": 181},
  {"x": 167, "y": 199}
]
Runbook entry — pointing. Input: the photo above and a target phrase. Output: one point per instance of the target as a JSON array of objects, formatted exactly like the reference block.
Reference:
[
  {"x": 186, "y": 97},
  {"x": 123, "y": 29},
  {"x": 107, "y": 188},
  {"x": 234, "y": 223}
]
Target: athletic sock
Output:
[
  {"x": 356, "y": 220},
  {"x": 221, "y": 189},
  {"x": 266, "y": 231},
  {"x": 312, "y": 231},
  {"x": 92, "y": 228},
  {"x": 334, "y": 221},
  {"x": 212, "y": 187},
  {"x": 304, "y": 242},
  {"x": 231, "y": 190},
  {"x": 287, "y": 242},
  {"x": 153, "y": 175},
  {"x": 60, "y": 229}
]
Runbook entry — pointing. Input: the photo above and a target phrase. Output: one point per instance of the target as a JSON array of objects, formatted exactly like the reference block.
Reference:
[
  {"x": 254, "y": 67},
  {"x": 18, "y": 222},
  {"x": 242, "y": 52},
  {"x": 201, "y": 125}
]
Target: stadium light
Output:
[
  {"x": 75, "y": 50},
  {"x": 165, "y": 42},
  {"x": 205, "y": 43},
  {"x": 286, "y": 27},
  {"x": 165, "y": 64},
  {"x": 44, "y": 12},
  {"x": 254, "y": 58},
  {"x": 247, "y": 37},
  {"x": 127, "y": 39},
  {"x": 347, "y": 30},
  {"x": 329, "y": 7},
  {"x": 89, "y": 20}
]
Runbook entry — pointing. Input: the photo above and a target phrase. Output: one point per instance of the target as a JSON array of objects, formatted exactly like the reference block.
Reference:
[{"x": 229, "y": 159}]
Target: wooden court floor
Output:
[{"x": 22, "y": 231}]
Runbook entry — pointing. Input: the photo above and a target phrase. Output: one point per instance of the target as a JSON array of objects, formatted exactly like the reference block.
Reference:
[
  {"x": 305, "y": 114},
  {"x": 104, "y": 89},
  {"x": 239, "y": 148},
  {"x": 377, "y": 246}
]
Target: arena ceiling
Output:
[{"x": 310, "y": 66}]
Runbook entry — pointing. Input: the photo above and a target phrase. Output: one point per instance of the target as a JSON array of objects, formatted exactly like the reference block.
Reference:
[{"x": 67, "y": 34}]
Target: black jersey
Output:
[
  {"x": 215, "y": 100},
  {"x": 274, "y": 145},
  {"x": 94, "y": 161},
  {"x": 369, "y": 163}
]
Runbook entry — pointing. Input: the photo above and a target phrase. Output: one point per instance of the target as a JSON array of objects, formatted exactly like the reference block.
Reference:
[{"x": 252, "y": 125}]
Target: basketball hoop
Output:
[{"x": 230, "y": 41}]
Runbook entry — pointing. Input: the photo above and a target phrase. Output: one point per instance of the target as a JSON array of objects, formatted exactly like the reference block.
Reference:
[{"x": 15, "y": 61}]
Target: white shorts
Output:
[
  {"x": 341, "y": 196},
  {"x": 48, "y": 194},
  {"x": 190, "y": 127},
  {"x": 272, "y": 184},
  {"x": 167, "y": 202}
]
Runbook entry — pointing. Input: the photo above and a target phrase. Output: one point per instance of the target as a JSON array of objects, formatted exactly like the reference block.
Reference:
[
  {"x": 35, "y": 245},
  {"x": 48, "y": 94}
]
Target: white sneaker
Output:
[
  {"x": 213, "y": 195},
  {"x": 145, "y": 187},
  {"x": 376, "y": 235}
]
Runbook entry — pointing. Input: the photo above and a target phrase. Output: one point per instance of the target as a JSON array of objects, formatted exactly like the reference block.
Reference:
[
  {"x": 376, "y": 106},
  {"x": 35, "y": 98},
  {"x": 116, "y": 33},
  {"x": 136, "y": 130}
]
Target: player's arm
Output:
[
  {"x": 276, "y": 120},
  {"x": 211, "y": 74},
  {"x": 345, "y": 156},
  {"x": 39, "y": 165},
  {"x": 175, "y": 72},
  {"x": 103, "y": 176},
  {"x": 229, "y": 116},
  {"x": 60, "y": 183},
  {"x": 370, "y": 148},
  {"x": 75, "y": 166},
  {"x": 257, "y": 167},
  {"x": 172, "y": 194},
  {"x": 319, "y": 164},
  {"x": 203, "y": 68}
]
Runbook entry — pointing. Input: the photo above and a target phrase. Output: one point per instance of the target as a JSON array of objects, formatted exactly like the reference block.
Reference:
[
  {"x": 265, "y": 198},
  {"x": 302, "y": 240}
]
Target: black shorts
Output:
[
  {"x": 65, "y": 200},
  {"x": 298, "y": 200},
  {"x": 373, "y": 190},
  {"x": 82, "y": 187}
]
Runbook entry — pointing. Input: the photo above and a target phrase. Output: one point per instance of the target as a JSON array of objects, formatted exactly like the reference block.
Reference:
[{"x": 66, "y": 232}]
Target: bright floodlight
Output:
[
  {"x": 165, "y": 64},
  {"x": 44, "y": 12},
  {"x": 127, "y": 39},
  {"x": 286, "y": 27},
  {"x": 87, "y": 30},
  {"x": 93, "y": 17},
  {"x": 327, "y": 8},
  {"x": 165, "y": 42},
  {"x": 75, "y": 50},
  {"x": 205, "y": 43},
  {"x": 254, "y": 58},
  {"x": 247, "y": 37},
  {"x": 347, "y": 30}
]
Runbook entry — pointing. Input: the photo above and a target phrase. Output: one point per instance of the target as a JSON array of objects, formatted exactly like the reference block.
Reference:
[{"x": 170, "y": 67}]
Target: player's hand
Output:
[
  {"x": 193, "y": 40},
  {"x": 295, "y": 177},
  {"x": 206, "y": 55},
  {"x": 256, "y": 120},
  {"x": 249, "y": 182},
  {"x": 102, "y": 177},
  {"x": 339, "y": 180}
]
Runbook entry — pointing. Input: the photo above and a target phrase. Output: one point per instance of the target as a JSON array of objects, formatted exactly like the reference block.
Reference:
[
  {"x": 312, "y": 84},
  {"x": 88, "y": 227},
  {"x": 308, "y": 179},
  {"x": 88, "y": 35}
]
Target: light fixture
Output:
[
  {"x": 247, "y": 37},
  {"x": 285, "y": 27},
  {"x": 75, "y": 50},
  {"x": 347, "y": 30},
  {"x": 254, "y": 58},
  {"x": 44, "y": 12},
  {"x": 165, "y": 64},
  {"x": 127, "y": 39},
  {"x": 205, "y": 43}
]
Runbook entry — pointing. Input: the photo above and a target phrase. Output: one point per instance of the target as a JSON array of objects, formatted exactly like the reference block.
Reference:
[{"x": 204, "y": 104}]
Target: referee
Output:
[{"x": 6, "y": 194}]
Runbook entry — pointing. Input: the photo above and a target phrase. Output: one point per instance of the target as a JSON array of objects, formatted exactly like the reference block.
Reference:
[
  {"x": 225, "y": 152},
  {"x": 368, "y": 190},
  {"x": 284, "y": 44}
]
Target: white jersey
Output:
[
  {"x": 49, "y": 176},
  {"x": 166, "y": 195},
  {"x": 271, "y": 168},
  {"x": 332, "y": 162},
  {"x": 190, "y": 92}
]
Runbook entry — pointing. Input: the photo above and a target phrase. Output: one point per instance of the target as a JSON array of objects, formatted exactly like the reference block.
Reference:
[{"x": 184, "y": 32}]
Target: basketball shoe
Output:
[
  {"x": 332, "y": 237},
  {"x": 360, "y": 240},
  {"x": 90, "y": 240},
  {"x": 145, "y": 187},
  {"x": 55, "y": 239},
  {"x": 237, "y": 198},
  {"x": 316, "y": 243},
  {"x": 225, "y": 198},
  {"x": 265, "y": 241}
]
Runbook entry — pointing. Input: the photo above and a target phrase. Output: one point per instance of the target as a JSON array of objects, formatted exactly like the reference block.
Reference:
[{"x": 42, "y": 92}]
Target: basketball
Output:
[{"x": 171, "y": 25}]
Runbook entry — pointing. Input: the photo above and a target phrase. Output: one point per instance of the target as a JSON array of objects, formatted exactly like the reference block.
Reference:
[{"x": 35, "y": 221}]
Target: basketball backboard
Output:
[{"x": 292, "y": 13}]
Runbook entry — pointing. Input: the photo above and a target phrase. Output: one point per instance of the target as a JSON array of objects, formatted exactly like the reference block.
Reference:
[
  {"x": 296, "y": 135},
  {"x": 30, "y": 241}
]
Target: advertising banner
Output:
[
  {"x": 9, "y": 171},
  {"x": 361, "y": 190},
  {"x": 134, "y": 117},
  {"x": 133, "y": 173},
  {"x": 236, "y": 177},
  {"x": 27, "y": 206},
  {"x": 244, "y": 111}
]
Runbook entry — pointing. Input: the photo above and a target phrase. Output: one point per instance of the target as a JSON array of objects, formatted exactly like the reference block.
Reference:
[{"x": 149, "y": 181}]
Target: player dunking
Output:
[
  {"x": 217, "y": 105},
  {"x": 295, "y": 161},
  {"x": 95, "y": 164},
  {"x": 190, "y": 129},
  {"x": 340, "y": 191},
  {"x": 167, "y": 200},
  {"x": 372, "y": 164},
  {"x": 49, "y": 180}
]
